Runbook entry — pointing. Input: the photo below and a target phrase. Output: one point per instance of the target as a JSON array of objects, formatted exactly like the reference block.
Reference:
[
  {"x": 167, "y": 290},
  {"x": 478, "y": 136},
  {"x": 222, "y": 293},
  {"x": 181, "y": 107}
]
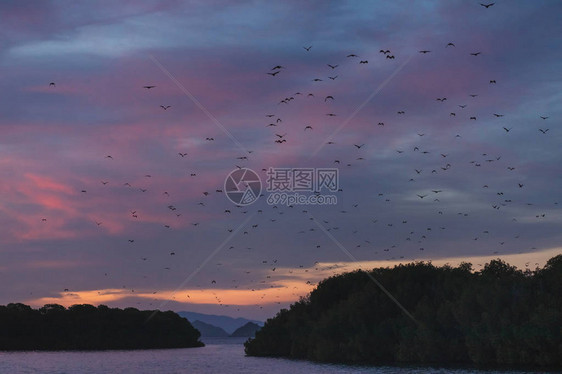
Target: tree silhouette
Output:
[
  {"x": 86, "y": 327},
  {"x": 499, "y": 316}
]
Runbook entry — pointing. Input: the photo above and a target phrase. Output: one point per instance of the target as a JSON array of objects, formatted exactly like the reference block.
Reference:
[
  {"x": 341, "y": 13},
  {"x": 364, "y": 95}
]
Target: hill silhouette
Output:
[
  {"x": 228, "y": 324},
  {"x": 86, "y": 327},
  {"x": 246, "y": 331},
  {"x": 499, "y": 316},
  {"x": 209, "y": 331}
]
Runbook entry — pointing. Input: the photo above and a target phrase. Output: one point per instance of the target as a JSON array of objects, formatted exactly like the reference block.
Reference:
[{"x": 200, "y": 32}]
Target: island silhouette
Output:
[
  {"x": 86, "y": 327},
  {"x": 498, "y": 316}
]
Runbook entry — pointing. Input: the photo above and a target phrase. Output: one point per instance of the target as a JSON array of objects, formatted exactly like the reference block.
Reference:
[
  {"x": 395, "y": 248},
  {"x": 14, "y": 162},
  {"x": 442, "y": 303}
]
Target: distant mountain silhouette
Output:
[
  {"x": 228, "y": 324},
  {"x": 246, "y": 331},
  {"x": 209, "y": 331}
]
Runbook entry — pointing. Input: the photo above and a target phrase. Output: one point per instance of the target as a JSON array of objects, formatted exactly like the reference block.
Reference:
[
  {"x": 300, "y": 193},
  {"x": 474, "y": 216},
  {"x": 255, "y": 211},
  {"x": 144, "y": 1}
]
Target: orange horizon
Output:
[{"x": 290, "y": 285}]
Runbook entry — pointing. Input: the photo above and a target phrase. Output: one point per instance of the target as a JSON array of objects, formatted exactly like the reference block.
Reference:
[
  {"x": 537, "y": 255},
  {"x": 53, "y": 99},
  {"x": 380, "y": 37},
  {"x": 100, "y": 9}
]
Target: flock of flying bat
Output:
[{"x": 416, "y": 235}]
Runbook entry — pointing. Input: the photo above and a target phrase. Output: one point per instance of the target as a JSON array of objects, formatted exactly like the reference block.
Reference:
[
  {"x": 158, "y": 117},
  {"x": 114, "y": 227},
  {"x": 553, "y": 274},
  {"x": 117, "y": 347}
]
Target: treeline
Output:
[
  {"x": 86, "y": 327},
  {"x": 499, "y": 316}
]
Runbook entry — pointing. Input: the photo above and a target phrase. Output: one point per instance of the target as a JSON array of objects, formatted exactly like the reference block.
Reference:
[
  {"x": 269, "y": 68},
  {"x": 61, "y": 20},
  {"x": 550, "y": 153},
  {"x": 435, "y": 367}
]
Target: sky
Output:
[{"x": 113, "y": 193}]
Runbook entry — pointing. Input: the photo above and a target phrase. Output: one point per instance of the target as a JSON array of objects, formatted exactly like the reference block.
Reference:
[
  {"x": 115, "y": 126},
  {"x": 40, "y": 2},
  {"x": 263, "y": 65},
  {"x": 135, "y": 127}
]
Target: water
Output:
[{"x": 218, "y": 356}]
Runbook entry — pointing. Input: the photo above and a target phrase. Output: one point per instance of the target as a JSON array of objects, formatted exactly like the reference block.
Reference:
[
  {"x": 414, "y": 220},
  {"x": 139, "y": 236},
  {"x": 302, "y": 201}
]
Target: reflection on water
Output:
[{"x": 224, "y": 355}]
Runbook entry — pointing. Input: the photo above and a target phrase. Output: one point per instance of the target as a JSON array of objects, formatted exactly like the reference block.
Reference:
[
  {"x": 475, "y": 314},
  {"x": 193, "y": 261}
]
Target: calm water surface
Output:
[{"x": 218, "y": 356}]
